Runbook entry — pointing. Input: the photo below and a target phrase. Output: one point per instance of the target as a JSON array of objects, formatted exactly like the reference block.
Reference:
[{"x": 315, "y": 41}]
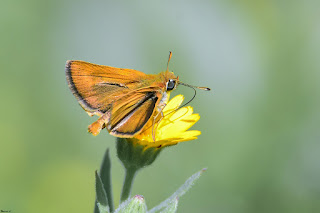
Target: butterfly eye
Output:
[{"x": 171, "y": 85}]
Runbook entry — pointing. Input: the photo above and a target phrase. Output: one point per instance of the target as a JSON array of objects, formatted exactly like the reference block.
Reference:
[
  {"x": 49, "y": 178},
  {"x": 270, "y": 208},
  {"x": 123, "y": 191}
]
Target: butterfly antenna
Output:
[
  {"x": 194, "y": 95},
  {"x": 188, "y": 85},
  {"x": 170, "y": 54},
  {"x": 172, "y": 111}
]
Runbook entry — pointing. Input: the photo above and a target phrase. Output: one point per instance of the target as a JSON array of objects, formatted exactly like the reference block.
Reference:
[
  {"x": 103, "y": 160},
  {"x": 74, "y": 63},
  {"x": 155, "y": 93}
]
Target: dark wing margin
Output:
[
  {"x": 97, "y": 86},
  {"x": 133, "y": 122},
  {"x": 74, "y": 90}
]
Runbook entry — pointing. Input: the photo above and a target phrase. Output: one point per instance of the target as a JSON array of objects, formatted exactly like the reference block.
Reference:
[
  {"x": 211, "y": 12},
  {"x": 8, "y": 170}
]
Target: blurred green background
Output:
[{"x": 260, "y": 125}]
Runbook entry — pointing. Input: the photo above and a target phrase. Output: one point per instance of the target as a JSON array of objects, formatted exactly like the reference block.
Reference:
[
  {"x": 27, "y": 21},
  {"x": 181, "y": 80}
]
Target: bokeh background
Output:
[{"x": 260, "y": 125}]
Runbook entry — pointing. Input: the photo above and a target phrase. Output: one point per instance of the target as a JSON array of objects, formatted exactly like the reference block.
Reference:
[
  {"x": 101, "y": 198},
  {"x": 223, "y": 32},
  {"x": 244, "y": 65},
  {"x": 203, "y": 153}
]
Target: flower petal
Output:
[
  {"x": 173, "y": 104},
  {"x": 173, "y": 127}
]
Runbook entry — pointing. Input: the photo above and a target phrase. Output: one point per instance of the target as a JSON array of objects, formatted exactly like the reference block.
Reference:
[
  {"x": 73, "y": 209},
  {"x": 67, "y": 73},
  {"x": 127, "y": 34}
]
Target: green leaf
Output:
[
  {"x": 105, "y": 176},
  {"x": 181, "y": 191},
  {"x": 172, "y": 207},
  {"x": 101, "y": 194},
  {"x": 136, "y": 204}
]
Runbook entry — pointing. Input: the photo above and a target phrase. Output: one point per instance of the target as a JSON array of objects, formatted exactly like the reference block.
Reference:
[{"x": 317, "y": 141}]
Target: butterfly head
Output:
[{"x": 171, "y": 81}]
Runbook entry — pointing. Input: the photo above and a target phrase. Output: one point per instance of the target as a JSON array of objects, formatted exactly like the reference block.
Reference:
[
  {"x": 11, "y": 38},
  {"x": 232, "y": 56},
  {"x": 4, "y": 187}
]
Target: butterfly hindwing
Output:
[{"x": 130, "y": 114}]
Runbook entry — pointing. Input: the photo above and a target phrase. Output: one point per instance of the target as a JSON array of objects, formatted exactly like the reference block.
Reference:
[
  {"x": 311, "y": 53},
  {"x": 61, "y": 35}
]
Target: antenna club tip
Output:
[{"x": 205, "y": 88}]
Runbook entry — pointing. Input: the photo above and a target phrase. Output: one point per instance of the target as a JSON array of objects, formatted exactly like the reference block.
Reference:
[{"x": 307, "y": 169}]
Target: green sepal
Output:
[
  {"x": 136, "y": 204},
  {"x": 134, "y": 155}
]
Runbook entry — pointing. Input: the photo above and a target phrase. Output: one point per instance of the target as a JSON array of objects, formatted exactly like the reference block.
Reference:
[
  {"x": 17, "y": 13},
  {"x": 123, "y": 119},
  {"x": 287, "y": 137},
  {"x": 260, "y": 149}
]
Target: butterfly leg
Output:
[
  {"x": 155, "y": 126},
  {"x": 98, "y": 125}
]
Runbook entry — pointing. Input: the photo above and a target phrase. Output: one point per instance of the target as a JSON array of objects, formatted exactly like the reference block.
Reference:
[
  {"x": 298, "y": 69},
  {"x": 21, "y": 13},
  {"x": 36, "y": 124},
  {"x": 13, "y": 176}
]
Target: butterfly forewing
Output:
[{"x": 97, "y": 86}]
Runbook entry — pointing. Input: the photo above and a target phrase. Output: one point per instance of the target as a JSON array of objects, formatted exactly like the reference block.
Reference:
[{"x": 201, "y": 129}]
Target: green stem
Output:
[{"x": 128, "y": 181}]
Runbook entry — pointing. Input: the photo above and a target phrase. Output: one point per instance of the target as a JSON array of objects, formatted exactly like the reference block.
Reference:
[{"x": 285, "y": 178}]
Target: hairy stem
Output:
[{"x": 128, "y": 182}]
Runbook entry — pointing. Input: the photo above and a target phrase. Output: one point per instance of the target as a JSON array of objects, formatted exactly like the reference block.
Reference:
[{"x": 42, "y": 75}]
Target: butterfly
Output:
[{"x": 124, "y": 99}]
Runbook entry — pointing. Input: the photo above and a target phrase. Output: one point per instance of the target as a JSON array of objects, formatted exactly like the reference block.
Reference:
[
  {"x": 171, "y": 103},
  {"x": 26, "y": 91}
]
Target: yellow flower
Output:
[{"x": 172, "y": 128}]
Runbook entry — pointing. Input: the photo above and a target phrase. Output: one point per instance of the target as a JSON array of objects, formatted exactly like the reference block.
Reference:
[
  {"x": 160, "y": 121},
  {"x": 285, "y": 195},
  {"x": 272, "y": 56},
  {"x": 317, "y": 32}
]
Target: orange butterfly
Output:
[{"x": 125, "y": 99}]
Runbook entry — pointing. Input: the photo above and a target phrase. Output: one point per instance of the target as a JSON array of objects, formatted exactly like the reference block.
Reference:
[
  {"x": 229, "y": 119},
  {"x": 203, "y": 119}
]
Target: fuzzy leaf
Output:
[
  {"x": 172, "y": 207},
  {"x": 103, "y": 209},
  {"x": 101, "y": 194},
  {"x": 105, "y": 176},
  {"x": 136, "y": 204},
  {"x": 181, "y": 191}
]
